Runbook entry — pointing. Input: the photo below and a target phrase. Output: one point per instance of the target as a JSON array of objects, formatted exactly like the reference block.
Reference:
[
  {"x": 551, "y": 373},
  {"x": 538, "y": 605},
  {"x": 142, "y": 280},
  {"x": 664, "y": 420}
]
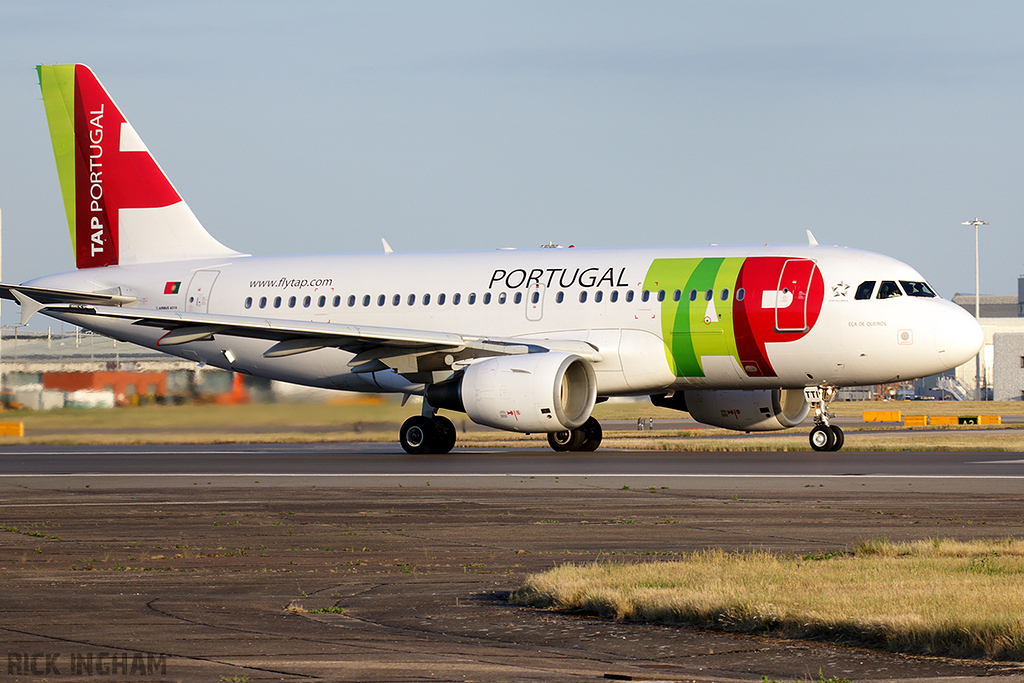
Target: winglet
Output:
[
  {"x": 387, "y": 247},
  {"x": 29, "y": 306},
  {"x": 810, "y": 239}
]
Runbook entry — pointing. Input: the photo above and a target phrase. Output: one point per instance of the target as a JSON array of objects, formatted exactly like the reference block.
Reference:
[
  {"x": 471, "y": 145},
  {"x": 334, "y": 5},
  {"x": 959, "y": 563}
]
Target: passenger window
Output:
[
  {"x": 864, "y": 290},
  {"x": 337, "y": 300},
  {"x": 677, "y": 295},
  {"x": 889, "y": 290},
  {"x": 583, "y": 297},
  {"x": 291, "y": 302},
  {"x": 487, "y": 298},
  {"x": 709, "y": 295},
  {"x": 366, "y": 300},
  {"x": 411, "y": 300},
  {"x": 472, "y": 298},
  {"x": 661, "y": 295},
  {"x": 725, "y": 295},
  {"x": 740, "y": 293},
  {"x": 248, "y": 302},
  {"x": 456, "y": 298},
  {"x": 396, "y": 299},
  {"x": 501, "y": 298},
  {"x": 351, "y": 300},
  {"x": 693, "y": 295},
  {"x": 534, "y": 297},
  {"x": 440, "y": 299},
  {"x": 614, "y": 296},
  {"x": 629, "y": 296},
  {"x": 381, "y": 299},
  {"x": 263, "y": 302},
  {"x": 322, "y": 301},
  {"x": 426, "y": 299},
  {"x": 518, "y": 298},
  {"x": 598, "y": 296},
  {"x": 277, "y": 302},
  {"x": 559, "y": 297},
  {"x": 306, "y": 301},
  {"x": 645, "y": 296},
  {"x": 917, "y": 289}
]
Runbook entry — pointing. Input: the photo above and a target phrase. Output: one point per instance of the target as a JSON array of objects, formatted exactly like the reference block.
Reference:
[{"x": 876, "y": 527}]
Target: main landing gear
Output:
[
  {"x": 824, "y": 436},
  {"x": 433, "y": 434},
  {"x": 586, "y": 437},
  {"x": 422, "y": 434}
]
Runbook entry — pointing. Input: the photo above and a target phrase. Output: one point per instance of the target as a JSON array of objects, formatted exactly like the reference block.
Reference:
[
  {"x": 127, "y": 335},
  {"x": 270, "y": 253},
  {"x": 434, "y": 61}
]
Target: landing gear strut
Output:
[
  {"x": 428, "y": 433},
  {"x": 586, "y": 437},
  {"x": 824, "y": 436}
]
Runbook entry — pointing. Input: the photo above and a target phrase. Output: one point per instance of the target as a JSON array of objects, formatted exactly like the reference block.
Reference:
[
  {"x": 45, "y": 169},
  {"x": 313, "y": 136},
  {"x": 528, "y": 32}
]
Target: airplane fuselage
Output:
[{"x": 660, "y": 319}]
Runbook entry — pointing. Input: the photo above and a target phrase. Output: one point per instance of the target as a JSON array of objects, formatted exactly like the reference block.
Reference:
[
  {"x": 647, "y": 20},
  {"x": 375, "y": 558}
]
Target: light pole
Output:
[{"x": 977, "y": 222}]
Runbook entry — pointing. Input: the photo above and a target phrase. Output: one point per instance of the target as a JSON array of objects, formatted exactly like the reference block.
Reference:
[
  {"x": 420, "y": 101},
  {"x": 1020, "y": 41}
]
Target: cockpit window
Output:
[
  {"x": 864, "y": 290},
  {"x": 917, "y": 289},
  {"x": 888, "y": 290}
]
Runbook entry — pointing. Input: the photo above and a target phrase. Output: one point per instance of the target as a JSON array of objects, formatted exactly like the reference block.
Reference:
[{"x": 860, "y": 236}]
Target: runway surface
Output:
[
  {"x": 360, "y": 563},
  {"x": 380, "y": 465}
]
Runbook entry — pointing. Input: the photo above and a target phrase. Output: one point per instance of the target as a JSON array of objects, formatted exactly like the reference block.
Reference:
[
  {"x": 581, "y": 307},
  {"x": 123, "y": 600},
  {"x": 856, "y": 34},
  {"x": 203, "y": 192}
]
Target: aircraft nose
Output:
[{"x": 958, "y": 336}]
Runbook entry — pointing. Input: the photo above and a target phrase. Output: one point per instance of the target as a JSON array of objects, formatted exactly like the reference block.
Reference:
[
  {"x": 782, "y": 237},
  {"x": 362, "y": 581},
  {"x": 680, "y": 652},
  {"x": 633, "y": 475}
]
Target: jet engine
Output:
[
  {"x": 759, "y": 410},
  {"x": 533, "y": 392}
]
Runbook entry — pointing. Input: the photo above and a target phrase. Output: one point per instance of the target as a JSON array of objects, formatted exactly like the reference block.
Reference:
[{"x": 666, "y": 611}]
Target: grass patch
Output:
[{"x": 935, "y": 597}]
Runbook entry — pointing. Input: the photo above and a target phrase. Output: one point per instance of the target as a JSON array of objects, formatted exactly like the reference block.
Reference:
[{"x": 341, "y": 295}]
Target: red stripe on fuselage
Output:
[{"x": 756, "y": 325}]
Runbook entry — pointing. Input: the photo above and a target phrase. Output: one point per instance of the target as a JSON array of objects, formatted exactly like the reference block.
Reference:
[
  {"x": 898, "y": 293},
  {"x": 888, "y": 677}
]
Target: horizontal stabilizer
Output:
[{"x": 64, "y": 296}]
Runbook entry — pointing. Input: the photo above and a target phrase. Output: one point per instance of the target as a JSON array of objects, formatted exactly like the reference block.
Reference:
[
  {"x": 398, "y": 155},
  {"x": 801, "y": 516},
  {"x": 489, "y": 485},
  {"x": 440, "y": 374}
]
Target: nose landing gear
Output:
[{"x": 824, "y": 436}]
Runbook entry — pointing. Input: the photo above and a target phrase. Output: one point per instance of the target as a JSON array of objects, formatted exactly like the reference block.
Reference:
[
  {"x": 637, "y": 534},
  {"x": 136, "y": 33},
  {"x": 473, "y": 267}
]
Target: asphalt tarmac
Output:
[{"x": 359, "y": 563}]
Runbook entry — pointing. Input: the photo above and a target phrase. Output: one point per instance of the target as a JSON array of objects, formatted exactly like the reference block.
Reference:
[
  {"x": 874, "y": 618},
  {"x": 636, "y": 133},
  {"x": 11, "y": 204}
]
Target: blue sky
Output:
[{"x": 323, "y": 126}]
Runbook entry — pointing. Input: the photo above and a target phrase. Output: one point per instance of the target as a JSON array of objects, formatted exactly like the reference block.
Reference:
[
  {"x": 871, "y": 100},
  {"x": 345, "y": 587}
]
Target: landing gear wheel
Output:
[
  {"x": 418, "y": 435},
  {"x": 592, "y": 434},
  {"x": 586, "y": 437},
  {"x": 566, "y": 440},
  {"x": 840, "y": 438},
  {"x": 446, "y": 435},
  {"x": 823, "y": 438}
]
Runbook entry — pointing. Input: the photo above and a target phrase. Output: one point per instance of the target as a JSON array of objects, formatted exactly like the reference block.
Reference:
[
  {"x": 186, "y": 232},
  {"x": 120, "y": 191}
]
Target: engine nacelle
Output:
[
  {"x": 759, "y": 410},
  {"x": 533, "y": 392}
]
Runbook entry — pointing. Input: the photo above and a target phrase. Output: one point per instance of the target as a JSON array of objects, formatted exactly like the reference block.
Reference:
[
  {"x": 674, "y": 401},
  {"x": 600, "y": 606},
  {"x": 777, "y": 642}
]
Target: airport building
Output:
[{"x": 1002, "y": 357}]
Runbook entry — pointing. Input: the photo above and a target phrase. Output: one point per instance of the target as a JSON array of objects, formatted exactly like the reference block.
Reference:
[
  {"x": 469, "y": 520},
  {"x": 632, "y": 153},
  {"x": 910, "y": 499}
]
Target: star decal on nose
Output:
[{"x": 840, "y": 289}]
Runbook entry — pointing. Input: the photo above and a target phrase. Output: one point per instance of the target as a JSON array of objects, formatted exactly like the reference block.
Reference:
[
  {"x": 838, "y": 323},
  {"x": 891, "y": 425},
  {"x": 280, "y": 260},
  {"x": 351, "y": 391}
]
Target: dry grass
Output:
[{"x": 938, "y": 597}]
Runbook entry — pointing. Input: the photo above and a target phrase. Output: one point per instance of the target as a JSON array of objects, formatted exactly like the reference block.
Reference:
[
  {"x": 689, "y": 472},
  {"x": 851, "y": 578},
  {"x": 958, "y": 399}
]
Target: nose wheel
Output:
[
  {"x": 827, "y": 438},
  {"x": 824, "y": 436}
]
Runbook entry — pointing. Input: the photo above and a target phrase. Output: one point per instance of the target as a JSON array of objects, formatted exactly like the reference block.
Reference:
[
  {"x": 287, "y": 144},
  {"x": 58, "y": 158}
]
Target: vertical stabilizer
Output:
[{"x": 121, "y": 208}]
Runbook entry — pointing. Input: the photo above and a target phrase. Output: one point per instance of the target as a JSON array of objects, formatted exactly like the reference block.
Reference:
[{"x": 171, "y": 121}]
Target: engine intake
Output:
[{"x": 534, "y": 392}]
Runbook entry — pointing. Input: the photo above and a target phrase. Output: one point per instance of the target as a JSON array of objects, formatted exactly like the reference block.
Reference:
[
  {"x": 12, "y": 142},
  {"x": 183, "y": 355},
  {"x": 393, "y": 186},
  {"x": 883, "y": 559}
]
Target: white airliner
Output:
[{"x": 742, "y": 337}]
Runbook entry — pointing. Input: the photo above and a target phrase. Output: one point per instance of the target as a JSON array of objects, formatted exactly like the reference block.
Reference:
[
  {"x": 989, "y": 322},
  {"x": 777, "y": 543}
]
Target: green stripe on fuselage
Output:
[{"x": 688, "y": 331}]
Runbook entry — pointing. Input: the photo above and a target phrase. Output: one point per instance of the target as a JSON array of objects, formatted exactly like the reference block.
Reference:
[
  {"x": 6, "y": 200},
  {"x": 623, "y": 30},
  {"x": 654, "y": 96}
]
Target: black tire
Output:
[
  {"x": 445, "y": 435},
  {"x": 840, "y": 437},
  {"x": 418, "y": 435},
  {"x": 592, "y": 435},
  {"x": 567, "y": 440},
  {"x": 822, "y": 438}
]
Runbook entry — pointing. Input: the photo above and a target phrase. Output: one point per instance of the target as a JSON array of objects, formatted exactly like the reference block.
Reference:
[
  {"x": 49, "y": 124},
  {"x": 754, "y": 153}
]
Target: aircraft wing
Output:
[{"x": 407, "y": 351}]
